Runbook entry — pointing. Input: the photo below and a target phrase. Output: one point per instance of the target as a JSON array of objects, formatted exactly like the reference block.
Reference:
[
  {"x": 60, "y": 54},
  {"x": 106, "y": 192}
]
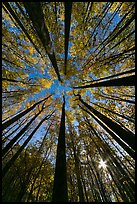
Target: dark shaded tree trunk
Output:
[
  {"x": 60, "y": 192},
  {"x": 78, "y": 174},
  {"x": 11, "y": 143},
  {"x": 125, "y": 81},
  {"x": 122, "y": 116},
  {"x": 115, "y": 98},
  {"x": 13, "y": 159},
  {"x": 68, "y": 8},
  {"x": 113, "y": 129},
  {"x": 127, "y": 137},
  {"x": 13, "y": 14},
  {"x": 16, "y": 129},
  {"x": 115, "y": 75},
  {"x": 77, "y": 166},
  {"x": 35, "y": 13},
  {"x": 37, "y": 173},
  {"x": 20, "y": 115}
]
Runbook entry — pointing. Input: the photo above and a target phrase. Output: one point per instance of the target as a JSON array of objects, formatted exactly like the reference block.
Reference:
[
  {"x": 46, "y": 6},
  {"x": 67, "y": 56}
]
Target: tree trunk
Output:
[
  {"x": 11, "y": 162},
  {"x": 35, "y": 13},
  {"x": 127, "y": 137},
  {"x": 125, "y": 81},
  {"x": 115, "y": 75},
  {"x": 112, "y": 133},
  {"x": 60, "y": 193},
  {"x": 20, "y": 115},
  {"x": 78, "y": 174},
  {"x": 111, "y": 111},
  {"x": 115, "y": 98},
  {"x": 10, "y": 144},
  {"x": 68, "y": 7},
  {"x": 13, "y": 14}
]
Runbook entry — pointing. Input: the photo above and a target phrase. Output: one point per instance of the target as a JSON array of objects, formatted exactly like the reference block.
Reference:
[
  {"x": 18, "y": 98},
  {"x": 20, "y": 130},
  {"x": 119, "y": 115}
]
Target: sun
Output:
[{"x": 102, "y": 164}]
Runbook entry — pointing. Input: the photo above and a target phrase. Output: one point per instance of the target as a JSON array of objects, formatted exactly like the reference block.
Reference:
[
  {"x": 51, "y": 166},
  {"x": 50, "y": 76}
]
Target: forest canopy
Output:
[{"x": 68, "y": 101}]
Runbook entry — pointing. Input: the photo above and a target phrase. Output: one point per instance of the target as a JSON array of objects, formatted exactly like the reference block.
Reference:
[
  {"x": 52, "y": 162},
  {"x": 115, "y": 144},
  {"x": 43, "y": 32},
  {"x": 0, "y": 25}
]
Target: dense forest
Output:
[{"x": 68, "y": 101}]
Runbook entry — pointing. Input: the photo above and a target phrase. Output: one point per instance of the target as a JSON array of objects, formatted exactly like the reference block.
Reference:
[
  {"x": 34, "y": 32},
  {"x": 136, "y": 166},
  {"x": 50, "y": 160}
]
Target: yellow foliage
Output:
[
  {"x": 45, "y": 83},
  {"x": 114, "y": 6},
  {"x": 31, "y": 50},
  {"x": 28, "y": 104}
]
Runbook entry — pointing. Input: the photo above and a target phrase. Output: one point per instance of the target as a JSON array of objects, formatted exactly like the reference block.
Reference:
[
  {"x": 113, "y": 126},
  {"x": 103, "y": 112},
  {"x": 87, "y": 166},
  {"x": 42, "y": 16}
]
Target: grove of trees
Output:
[{"x": 68, "y": 101}]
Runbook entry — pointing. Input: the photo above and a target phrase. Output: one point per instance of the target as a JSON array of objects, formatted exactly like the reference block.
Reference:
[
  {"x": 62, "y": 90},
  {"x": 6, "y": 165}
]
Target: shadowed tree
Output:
[{"x": 60, "y": 192}]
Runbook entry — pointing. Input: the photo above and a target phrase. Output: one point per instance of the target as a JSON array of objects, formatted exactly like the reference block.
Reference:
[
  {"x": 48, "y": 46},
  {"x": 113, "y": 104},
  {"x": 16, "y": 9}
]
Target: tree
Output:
[{"x": 60, "y": 193}]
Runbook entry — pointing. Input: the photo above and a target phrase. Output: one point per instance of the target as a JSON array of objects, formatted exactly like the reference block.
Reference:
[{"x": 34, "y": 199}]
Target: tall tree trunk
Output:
[
  {"x": 37, "y": 173},
  {"x": 115, "y": 75},
  {"x": 68, "y": 7},
  {"x": 13, "y": 159},
  {"x": 125, "y": 81},
  {"x": 116, "y": 98},
  {"x": 112, "y": 127},
  {"x": 60, "y": 192},
  {"x": 78, "y": 174},
  {"x": 36, "y": 15},
  {"x": 20, "y": 115},
  {"x": 111, "y": 111},
  {"x": 13, "y": 14},
  {"x": 77, "y": 167},
  {"x": 11, "y": 143}
]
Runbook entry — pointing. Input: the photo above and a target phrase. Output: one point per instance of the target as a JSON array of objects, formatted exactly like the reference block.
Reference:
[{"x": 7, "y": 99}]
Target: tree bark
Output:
[
  {"x": 127, "y": 137},
  {"x": 60, "y": 193},
  {"x": 125, "y": 81},
  {"x": 13, "y": 159},
  {"x": 114, "y": 132},
  {"x": 10, "y": 144},
  {"x": 35, "y": 13},
  {"x": 68, "y": 8},
  {"x": 122, "y": 116},
  {"x": 20, "y": 115},
  {"x": 115, "y": 75}
]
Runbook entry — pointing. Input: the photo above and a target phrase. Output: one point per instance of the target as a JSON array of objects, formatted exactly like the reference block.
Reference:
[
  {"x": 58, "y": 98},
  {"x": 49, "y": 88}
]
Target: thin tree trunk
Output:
[
  {"x": 20, "y": 115},
  {"x": 10, "y": 144},
  {"x": 127, "y": 137},
  {"x": 125, "y": 81},
  {"x": 68, "y": 8},
  {"x": 115, "y": 75},
  {"x": 112, "y": 133},
  {"x": 60, "y": 192},
  {"x": 13, "y": 159},
  {"x": 8, "y": 7},
  {"x": 77, "y": 167},
  {"x": 37, "y": 173},
  {"x": 78, "y": 173},
  {"x": 122, "y": 116},
  {"x": 115, "y": 98}
]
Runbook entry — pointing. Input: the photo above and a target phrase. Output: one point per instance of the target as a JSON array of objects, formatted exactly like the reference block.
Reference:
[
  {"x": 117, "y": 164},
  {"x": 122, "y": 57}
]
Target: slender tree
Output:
[
  {"x": 60, "y": 192},
  {"x": 11, "y": 143},
  {"x": 112, "y": 133},
  {"x": 20, "y": 115},
  {"x": 11, "y": 162},
  {"x": 68, "y": 8},
  {"x": 125, "y": 81},
  {"x": 35, "y": 12}
]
